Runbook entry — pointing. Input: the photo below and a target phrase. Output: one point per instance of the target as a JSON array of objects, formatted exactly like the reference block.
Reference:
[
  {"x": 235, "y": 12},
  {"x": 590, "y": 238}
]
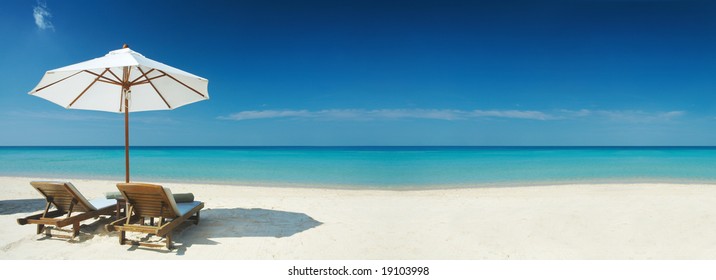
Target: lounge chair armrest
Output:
[{"x": 110, "y": 227}]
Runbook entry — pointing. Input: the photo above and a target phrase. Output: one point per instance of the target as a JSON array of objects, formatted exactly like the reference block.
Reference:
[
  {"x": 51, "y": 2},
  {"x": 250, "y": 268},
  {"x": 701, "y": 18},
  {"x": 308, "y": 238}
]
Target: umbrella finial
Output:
[{"x": 125, "y": 46}]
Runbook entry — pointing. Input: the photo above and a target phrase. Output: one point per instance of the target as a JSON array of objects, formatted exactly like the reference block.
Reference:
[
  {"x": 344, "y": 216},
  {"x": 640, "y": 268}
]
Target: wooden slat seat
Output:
[
  {"x": 66, "y": 200},
  {"x": 152, "y": 201}
]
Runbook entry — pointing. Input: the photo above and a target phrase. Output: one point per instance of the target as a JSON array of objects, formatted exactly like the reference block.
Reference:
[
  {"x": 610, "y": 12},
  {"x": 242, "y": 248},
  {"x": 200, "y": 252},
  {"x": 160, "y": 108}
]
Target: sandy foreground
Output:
[{"x": 605, "y": 221}]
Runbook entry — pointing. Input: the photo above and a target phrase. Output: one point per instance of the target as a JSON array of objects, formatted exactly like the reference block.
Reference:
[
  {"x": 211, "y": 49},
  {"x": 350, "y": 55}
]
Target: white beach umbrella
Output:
[{"x": 122, "y": 81}]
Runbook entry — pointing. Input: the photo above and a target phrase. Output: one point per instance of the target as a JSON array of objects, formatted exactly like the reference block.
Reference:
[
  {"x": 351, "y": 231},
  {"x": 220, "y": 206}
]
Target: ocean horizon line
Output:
[{"x": 360, "y": 146}]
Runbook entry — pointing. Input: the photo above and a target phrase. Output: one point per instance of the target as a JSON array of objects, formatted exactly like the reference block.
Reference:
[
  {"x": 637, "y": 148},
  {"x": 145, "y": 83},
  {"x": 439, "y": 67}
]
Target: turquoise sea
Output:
[{"x": 368, "y": 167}]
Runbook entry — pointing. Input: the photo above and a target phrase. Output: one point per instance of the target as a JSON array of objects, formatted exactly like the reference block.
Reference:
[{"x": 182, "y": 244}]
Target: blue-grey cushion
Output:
[
  {"x": 183, "y": 197},
  {"x": 178, "y": 197},
  {"x": 113, "y": 195},
  {"x": 185, "y": 207}
]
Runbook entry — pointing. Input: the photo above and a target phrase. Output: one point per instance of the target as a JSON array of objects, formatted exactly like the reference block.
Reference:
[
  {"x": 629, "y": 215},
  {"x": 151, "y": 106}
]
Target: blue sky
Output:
[{"x": 580, "y": 72}]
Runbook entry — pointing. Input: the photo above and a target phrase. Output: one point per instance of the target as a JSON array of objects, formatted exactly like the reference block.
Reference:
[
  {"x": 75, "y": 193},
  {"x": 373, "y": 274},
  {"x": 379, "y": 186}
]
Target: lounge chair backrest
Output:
[
  {"x": 149, "y": 200},
  {"x": 61, "y": 194}
]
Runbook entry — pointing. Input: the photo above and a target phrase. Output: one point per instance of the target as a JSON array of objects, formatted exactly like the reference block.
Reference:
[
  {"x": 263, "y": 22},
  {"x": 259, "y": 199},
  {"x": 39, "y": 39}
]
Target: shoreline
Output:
[
  {"x": 585, "y": 221},
  {"x": 401, "y": 188}
]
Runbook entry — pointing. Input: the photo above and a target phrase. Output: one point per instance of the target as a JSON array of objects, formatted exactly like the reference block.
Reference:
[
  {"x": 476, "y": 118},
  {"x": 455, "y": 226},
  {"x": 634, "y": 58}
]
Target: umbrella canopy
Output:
[
  {"x": 122, "y": 81},
  {"x": 98, "y": 84}
]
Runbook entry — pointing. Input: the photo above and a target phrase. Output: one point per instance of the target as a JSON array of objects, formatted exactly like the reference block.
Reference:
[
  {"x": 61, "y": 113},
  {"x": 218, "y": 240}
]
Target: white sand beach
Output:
[{"x": 604, "y": 221}]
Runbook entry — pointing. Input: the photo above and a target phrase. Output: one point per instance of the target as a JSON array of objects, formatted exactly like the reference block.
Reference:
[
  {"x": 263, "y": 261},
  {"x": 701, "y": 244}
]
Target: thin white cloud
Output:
[
  {"x": 636, "y": 116},
  {"x": 627, "y": 116},
  {"x": 433, "y": 114},
  {"x": 381, "y": 114},
  {"x": 631, "y": 116},
  {"x": 575, "y": 113},
  {"x": 266, "y": 114},
  {"x": 42, "y": 16},
  {"x": 514, "y": 114},
  {"x": 672, "y": 114}
]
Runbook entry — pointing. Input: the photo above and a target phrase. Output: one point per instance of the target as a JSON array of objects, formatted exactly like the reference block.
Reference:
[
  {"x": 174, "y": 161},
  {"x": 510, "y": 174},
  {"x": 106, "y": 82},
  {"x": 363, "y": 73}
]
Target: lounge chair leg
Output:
[
  {"x": 117, "y": 211},
  {"x": 195, "y": 218},
  {"x": 40, "y": 228},
  {"x": 151, "y": 221},
  {"x": 169, "y": 241},
  {"x": 121, "y": 237},
  {"x": 75, "y": 229}
]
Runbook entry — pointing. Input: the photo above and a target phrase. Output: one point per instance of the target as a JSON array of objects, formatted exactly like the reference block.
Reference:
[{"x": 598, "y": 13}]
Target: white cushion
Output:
[
  {"x": 79, "y": 196},
  {"x": 172, "y": 202},
  {"x": 100, "y": 203}
]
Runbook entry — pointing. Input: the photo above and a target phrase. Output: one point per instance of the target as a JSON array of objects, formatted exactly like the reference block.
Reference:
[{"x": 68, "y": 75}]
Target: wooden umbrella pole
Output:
[
  {"x": 126, "y": 137},
  {"x": 125, "y": 93}
]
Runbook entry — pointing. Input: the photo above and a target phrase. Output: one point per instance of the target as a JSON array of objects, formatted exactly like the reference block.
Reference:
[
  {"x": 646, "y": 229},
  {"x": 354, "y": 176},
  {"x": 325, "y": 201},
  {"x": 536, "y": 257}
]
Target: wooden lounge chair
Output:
[
  {"x": 67, "y": 201},
  {"x": 152, "y": 201}
]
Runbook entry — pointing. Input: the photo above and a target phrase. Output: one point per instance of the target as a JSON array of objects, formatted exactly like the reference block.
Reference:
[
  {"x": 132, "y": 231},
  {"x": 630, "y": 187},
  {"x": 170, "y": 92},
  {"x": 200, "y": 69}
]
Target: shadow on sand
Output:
[
  {"x": 88, "y": 229},
  {"x": 9, "y": 207},
  {"x": 215, "y": 223},
  {"x": 236, "y": 223}
]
